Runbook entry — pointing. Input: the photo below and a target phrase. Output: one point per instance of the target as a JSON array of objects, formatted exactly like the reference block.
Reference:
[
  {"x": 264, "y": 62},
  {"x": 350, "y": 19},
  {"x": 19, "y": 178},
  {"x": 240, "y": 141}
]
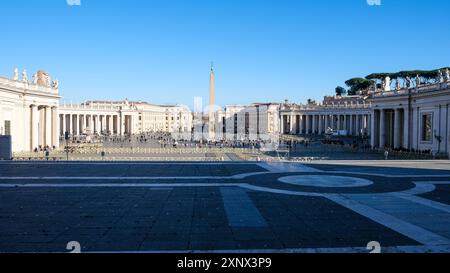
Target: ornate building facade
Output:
[
  {"x": 415, "y": 118},
  {"x": 350, "y": 118},
  {"x": 120, "y": 118},
  {"x": 259, "y": 121},
  {"x": 29, "y": 111}
]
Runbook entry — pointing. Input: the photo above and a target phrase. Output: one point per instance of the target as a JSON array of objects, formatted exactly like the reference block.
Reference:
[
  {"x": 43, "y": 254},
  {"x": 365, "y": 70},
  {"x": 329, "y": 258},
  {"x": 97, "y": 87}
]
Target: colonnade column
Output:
[
  {"x": 339, "y": 122},
  {"x": 354, "y": 125},
  {"x": 350, "y": 125},
  {"x": 41, "y": 126},
  {"x": 116, "y": 124},
  {"x": 102, "y": 123},
  {"x": 91, "y": 124},
  {"x": 406, "y": 129},
  {"x": 122, "y": 124},
  {"x": 382, "y": 128},
  {"x": 69, "y": 124},
  {"x": 110, "y": 125},
  {"x": 55, "y": 127},
  {"x": 308, "y": 124},
  {"x": 26, "y": 126},
  {"x": 96, "y": 123},
  {"x": 332, "y": 122},
  {"x": 64, "y": 126},
  {"x": 300, "y": 125},
  {"x": 373, "y": 134},
  {"x": 76, "y": 126},
  {"x": 34, "y": 127},
  {"x": 397, "y": 129},
  {"x": 291, "y": 130},
  {"x": 320, "y": 124},
  {"x": 345, "y": 123}
]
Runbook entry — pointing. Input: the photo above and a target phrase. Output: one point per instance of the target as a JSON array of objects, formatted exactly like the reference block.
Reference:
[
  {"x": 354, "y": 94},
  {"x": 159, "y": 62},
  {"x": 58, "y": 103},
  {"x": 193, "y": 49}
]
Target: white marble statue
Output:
[
  {"x": 16, "y": 74},
  {"x": 440, "y": 77},
  {"x": 408, "y": 82},
  {"x": 447, "y": 75},
  {"x": 55, "y": 84},
  {"x": 417, "y": 81},
  {"x": 24, "y": 76},
  {"x": 387, "y": 84},
  {"x": 398, "y": 87},
  {"x": 35, "y": 78}
]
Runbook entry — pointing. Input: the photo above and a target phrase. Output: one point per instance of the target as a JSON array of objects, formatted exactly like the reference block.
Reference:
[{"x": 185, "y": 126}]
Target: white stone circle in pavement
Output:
[{"x": 325, "y": 181}]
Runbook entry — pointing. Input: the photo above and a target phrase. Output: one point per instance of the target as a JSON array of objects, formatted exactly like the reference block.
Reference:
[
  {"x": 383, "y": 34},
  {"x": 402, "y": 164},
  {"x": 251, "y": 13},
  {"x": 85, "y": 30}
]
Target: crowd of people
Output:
[
  {"x": 166, "y": 140},
  {"x": 44, "y": 149}
]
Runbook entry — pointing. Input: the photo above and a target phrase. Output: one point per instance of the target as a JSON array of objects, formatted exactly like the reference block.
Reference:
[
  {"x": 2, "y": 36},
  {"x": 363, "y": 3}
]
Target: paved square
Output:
[{"x": 223, "y": 207}]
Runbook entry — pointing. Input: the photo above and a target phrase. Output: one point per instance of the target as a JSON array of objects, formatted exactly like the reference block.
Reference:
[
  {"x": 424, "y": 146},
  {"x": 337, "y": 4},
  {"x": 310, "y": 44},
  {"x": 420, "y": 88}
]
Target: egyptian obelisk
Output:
[{"x": 212, "y": 102}]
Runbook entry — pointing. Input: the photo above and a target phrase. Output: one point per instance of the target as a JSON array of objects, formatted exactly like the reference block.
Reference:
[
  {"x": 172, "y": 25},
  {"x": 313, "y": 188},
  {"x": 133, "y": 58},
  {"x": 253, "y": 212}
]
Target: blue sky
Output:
[{"x": 264, "y": 50}]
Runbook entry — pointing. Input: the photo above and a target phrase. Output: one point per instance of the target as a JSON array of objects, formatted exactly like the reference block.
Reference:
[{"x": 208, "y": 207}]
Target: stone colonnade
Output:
[
  {"x": 101, "y": 124},
  {"x": 353, "y": 123},
  {"x": 43, "y": 126},
  {"x": 390, "y": 128}
]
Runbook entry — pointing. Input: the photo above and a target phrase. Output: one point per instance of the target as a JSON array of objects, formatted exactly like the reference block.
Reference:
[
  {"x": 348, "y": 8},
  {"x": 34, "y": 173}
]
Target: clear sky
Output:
[{"x": 264, "y": 50}]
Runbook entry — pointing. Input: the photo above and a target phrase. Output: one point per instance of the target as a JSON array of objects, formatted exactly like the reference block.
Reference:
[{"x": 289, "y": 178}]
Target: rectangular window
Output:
[
  {"x": 7, "y": 127},
  {"x": 427, "y": 127},
  {"x": 224, "y": 125},
  {"x": 235, "y": 123},
  {"x": 257, "y": 120},
  {"x": 247, "y": 123}
]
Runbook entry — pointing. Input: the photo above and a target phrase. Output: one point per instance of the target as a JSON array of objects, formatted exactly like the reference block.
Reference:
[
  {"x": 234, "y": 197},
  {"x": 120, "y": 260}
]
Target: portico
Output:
[
  {"x": 88, "y": 120},
  {"x": 29, "y": 111},
  {"x": 415, "y": 119},
  {"x": 351, "y": 120},
  {"x": 390, "y": 128}
]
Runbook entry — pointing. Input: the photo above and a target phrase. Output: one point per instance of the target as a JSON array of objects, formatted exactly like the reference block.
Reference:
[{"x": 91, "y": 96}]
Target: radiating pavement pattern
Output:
[{"x": 222, "y": 207}]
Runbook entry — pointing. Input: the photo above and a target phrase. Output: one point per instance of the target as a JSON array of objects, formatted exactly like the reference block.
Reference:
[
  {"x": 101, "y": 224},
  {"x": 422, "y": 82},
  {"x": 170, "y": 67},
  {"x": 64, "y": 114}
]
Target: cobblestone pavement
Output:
[{"x": 223, "y": 207}]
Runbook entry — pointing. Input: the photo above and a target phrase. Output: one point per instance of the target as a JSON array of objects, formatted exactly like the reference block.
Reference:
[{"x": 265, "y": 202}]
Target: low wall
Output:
[{"x": 5, "y": 148}]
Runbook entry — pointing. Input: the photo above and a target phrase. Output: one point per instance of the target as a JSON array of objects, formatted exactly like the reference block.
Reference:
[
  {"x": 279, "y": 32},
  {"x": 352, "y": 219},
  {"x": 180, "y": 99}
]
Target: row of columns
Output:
[
  {"x": 390, "y": 128},
  {"x": 318, "y": 124},
  {"x": 43, "y": 126},
  {"x": 77, "y": 124}
]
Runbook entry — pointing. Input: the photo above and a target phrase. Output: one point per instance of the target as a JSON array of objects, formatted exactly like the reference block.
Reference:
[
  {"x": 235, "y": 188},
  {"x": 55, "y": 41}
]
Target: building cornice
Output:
[{"x": 25, "y": 88}]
